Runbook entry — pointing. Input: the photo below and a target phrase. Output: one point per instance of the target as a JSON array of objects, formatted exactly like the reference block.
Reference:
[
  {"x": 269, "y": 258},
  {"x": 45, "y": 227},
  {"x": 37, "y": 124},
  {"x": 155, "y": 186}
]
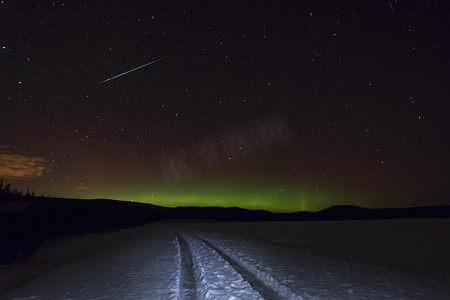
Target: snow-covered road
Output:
[{"x": 173, "y": 262}]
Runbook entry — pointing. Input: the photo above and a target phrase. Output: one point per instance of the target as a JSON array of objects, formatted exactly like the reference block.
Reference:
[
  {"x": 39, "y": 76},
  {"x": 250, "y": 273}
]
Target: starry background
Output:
[{"x": 356, "y": 95}]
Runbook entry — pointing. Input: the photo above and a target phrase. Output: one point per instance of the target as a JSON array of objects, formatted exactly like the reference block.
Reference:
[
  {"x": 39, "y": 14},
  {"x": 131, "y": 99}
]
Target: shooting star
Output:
[{"x": 152, "y": 62}]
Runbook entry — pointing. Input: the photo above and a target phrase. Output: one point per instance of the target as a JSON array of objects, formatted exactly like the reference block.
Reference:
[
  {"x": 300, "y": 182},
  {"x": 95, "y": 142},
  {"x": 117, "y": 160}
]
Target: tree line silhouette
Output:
[{"x": 7, "y": 190}]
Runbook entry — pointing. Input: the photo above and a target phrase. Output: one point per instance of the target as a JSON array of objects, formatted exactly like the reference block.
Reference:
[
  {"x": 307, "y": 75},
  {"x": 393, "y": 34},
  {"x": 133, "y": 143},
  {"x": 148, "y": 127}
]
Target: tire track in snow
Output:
[
  {"x": 215, "y": 277},
  {"x": 186, "y": 274},
  {"x": 264, "y": 290},
  {"x": 261, "y": 280}
]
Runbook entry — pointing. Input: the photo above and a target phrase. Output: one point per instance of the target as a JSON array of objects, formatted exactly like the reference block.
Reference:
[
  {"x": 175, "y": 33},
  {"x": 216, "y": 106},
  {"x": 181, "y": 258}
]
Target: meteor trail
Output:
[{"x": 152, "y": 62}]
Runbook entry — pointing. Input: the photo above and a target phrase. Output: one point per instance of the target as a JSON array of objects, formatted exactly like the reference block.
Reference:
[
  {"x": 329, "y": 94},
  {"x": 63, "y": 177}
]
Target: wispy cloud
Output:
[
  {"x": 81, "y": 187},
  {"x": 17, "y": 165}
]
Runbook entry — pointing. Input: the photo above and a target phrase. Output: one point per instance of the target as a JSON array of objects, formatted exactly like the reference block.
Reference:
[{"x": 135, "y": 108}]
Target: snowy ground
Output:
[{"x": 291, "y": 260}]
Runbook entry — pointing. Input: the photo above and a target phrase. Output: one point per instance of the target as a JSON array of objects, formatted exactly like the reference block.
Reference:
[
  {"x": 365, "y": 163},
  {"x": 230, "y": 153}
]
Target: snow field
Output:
[
  {"x": 146, "y": 269},
  {"x": 303, "y": 276},
  {"x": 199, "y": 261}
]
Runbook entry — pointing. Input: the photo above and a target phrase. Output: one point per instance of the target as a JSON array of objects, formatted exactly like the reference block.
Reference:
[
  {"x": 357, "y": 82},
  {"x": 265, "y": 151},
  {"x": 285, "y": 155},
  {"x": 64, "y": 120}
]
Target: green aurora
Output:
[{"x": 271, "y": 197}]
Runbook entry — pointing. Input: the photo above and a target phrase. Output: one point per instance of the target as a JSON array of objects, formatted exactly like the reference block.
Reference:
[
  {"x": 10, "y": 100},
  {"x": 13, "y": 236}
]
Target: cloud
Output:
[
  {"x": 81, "y": 187},
  {"x": 18, "y": 166}
]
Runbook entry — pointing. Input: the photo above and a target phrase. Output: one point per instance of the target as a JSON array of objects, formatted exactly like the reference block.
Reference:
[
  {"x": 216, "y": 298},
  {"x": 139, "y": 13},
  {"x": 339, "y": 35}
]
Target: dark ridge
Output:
[{"x": 25, "y": 222}]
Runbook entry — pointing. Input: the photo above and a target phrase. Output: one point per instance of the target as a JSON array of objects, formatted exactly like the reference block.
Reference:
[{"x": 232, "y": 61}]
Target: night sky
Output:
[{"x": 292, "y": 106}]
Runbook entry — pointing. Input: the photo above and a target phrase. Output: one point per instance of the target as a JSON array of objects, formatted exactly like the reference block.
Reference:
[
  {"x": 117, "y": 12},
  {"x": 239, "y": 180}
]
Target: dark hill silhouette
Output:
[{"x": 22, "y": 230}]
